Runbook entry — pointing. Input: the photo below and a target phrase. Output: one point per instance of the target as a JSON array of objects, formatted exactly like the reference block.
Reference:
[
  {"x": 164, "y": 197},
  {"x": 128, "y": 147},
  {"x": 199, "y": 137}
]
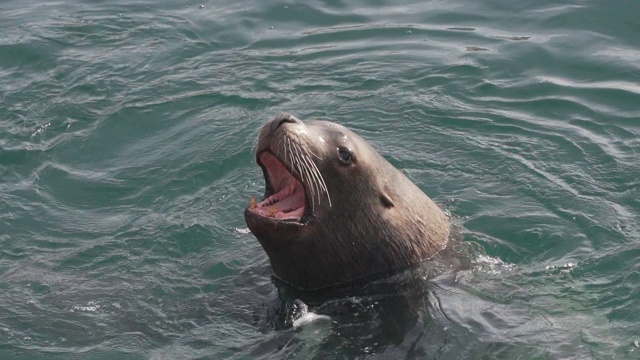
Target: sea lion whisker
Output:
[
  {"x": 319, "y": 178},
  {"x": 304, "y": 173},
  {"x": 299, "y": 166},
  {"x": 318, "y": 175},
  {"x": 278, "y": 147},
  {"x": 310, "y": 179},
  {"x": 293, "y": 157},
  {"x": 316, "y": 179},
  {"x": 312, "y": 153},
  {"x": 286, "y": 143},
  {"x": 307, "y": 175}
]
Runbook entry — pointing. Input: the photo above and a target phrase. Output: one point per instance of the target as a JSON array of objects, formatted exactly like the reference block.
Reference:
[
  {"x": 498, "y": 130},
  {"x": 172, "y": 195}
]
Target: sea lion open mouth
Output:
[
  {"x": 294, "y": 185},
  {"x": 285, "y": 198}
]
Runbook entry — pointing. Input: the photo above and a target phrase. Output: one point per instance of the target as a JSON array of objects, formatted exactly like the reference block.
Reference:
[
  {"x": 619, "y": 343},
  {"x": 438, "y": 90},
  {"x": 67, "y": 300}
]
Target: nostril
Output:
[{"x": 281, "y": 119}]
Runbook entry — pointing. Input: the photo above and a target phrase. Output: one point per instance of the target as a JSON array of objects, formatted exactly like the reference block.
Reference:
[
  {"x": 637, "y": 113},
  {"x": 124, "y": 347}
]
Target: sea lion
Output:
[{"x": 334, "y": 210}]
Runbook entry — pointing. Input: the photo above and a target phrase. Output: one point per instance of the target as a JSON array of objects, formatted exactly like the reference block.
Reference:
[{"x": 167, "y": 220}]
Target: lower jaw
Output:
[{"x": 255, "y": 219}]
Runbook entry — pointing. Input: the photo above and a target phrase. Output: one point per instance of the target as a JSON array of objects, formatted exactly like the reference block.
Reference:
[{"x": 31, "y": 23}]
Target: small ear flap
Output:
[{"x": 386, "y": 200}]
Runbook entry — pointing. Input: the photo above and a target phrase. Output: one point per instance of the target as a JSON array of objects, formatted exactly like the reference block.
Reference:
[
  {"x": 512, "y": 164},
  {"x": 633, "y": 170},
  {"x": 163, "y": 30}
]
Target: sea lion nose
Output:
[{"x": 281, "y": 119}]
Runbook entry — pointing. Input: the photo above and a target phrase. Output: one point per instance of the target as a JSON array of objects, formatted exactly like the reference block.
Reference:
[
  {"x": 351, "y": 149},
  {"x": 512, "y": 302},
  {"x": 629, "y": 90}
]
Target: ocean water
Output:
[{"x": 126, "y": 131}]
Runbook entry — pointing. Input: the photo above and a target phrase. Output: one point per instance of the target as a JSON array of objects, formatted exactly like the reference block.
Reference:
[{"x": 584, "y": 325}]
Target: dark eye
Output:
[{"x": 345, "y": 156}]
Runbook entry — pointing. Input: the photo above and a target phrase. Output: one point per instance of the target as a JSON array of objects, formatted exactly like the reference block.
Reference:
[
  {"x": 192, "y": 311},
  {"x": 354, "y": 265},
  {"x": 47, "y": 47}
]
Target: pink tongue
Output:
[
  {"x": 289, "y": 207},
  {"x": 296, "y": 214},
  {"x": 294, "y": 201}
]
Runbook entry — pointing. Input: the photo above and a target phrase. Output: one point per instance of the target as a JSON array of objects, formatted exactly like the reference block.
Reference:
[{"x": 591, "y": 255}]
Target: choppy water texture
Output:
[{"x": 126, "y": 130}]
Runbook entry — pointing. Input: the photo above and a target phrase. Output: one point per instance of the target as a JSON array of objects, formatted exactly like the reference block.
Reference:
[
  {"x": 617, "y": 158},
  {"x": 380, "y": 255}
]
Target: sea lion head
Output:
[{"x": 334, "y": 210}]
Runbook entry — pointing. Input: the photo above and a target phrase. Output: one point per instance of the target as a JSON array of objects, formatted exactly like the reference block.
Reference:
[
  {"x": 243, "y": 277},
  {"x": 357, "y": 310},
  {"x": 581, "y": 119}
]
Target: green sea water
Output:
[{"x": 126, "y": 135}]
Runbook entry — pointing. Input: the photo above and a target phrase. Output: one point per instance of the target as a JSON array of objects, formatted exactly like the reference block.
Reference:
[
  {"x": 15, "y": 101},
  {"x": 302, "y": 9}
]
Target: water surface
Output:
[{"x": 126, "y": 131}]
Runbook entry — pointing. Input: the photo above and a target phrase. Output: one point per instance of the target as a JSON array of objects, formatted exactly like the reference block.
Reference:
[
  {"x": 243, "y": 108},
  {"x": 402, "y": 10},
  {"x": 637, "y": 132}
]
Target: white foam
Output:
[
  {"x": 492, "y": 265},
  {"x": 309, "y": 318},
  {"x": 243, "y": 231}
]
